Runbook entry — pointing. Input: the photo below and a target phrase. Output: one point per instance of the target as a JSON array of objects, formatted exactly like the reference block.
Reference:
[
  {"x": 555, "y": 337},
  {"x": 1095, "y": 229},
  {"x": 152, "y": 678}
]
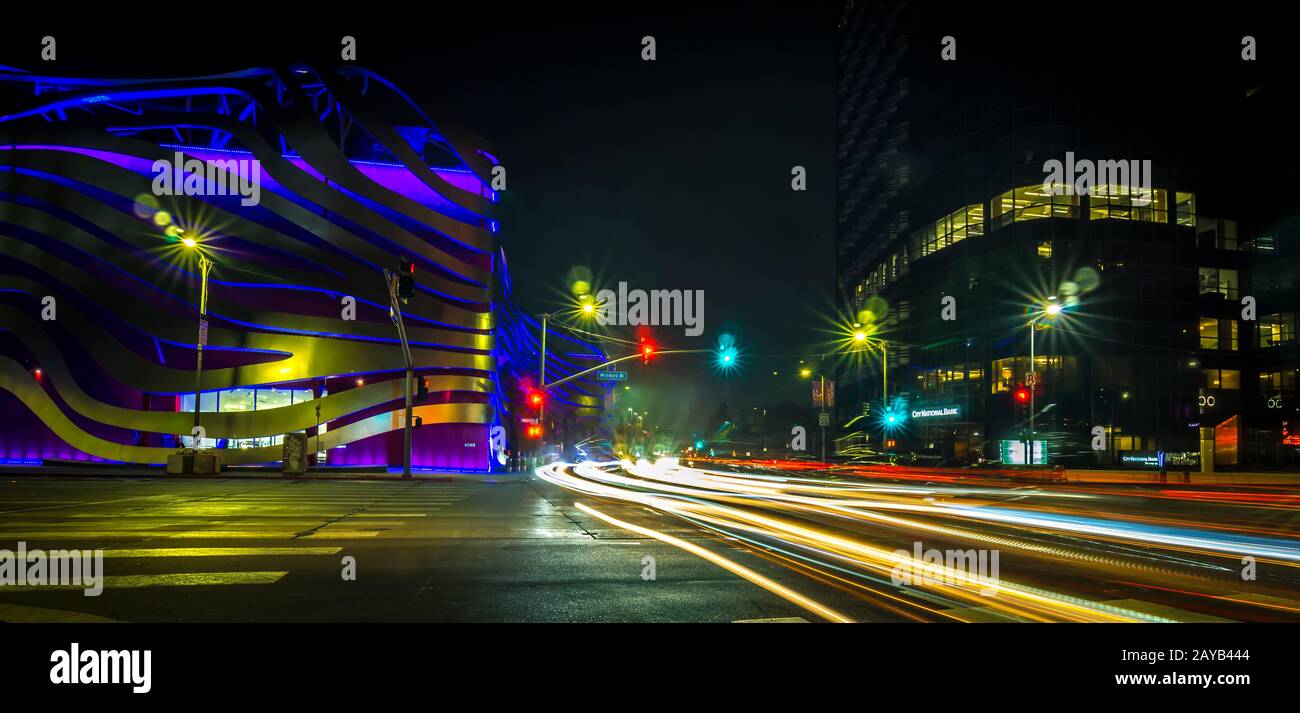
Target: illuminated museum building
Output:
[
  {"x": 940, "y": 172},
  {"x": 100, "y": 278}
]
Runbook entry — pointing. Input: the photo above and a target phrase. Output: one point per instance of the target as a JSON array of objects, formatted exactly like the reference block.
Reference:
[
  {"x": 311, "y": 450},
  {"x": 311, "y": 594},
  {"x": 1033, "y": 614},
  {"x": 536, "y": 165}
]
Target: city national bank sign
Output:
[{"x": 936, "y": 411}]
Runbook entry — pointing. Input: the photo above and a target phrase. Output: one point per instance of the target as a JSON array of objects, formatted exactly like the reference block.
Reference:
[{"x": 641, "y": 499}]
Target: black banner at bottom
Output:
[{"x": 207, "y": 663}]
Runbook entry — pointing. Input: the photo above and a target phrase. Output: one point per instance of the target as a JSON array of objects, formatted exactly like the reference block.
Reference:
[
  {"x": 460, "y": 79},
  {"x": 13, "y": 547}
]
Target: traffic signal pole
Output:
[
  {"x": 541, "y": 384},
  {"x": 205, "y": 266},
  {"x": 1033, "y": 327},
  {"x": 396, "y": 314}
]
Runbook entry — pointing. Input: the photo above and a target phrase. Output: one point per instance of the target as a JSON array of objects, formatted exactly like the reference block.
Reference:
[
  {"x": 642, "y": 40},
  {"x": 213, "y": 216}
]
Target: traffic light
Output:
[
  {"x": 647, "y": 350},
  {"x": 536, "y": 398},
  {"x": 727, "y": 358},
  {"x": 406, "y": 281},
  {"x": 1021, "y": 395},
  {"x": 421, "y": 390},
  {"x": 534, "y": 431}
]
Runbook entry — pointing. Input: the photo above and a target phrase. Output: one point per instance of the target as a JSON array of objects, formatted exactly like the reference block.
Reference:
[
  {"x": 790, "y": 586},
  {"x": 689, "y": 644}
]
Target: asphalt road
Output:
[
  {"x": 905, "y": 540},
  {"x": 525, "y": 549},
  {"x": 509, "y": 549}
]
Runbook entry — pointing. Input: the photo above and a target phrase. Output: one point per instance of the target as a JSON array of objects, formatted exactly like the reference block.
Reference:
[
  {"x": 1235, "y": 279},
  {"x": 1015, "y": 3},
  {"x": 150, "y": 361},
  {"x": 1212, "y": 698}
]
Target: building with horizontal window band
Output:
[
  {"x": 940, "y": 172},
  {"x": 99, "y": 287}
]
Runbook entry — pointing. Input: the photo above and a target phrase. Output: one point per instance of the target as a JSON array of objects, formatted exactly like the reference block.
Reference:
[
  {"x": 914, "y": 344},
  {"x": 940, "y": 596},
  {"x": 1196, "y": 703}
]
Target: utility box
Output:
[
  {"x": 294, "y": 459},
  {"x": 191, "y": 462}
]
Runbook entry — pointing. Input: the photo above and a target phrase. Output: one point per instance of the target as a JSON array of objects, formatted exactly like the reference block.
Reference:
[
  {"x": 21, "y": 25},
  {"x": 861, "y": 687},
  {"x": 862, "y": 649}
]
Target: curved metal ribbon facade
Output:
[{"x": 98, "y": 298}]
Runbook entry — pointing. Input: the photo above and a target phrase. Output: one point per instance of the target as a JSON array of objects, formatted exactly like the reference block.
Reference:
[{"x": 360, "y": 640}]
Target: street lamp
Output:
[
  {"x": 1050, "y": 310},
  {"x": 861, "y": 339},
  {"x": 205, "y": 265},
  {"x": 822, "y": 419}
]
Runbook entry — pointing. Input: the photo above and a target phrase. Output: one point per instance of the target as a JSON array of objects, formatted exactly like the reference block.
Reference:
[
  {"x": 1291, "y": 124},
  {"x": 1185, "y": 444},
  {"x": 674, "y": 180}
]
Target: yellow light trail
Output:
[
  {"x": 733, "y": 504},
  {"x": 734, "y": 567}
]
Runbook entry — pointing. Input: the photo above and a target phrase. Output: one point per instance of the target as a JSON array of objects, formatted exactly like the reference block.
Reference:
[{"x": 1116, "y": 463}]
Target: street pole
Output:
[
  {"x": 884, "y": 372},
  {"x": 204, "y": 266},
  {"x": 396, "y": 314},
  {"x": 821, "y": 421},
  {"x": 1032, "y": 328},
  {"x": 541, "y": 385}
]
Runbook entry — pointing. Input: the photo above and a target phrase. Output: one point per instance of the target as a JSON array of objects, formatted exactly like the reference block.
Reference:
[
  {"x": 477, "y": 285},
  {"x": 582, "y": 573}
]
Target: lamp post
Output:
[
  {"x": 1052, "y": 309},
  {"x": 205, "y": 266},
  {"x": 821, "y": 415},
  {"x": 541, "y": 384},
  {"x": 861, "y": 337}
]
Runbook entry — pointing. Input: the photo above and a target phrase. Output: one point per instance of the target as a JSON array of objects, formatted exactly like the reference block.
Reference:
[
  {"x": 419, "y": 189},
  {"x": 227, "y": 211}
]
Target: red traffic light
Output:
[
  {"x": 647, "y": 351},
  {"x": 536, "y": 399},
  {"x": 1022, "y": 395}
]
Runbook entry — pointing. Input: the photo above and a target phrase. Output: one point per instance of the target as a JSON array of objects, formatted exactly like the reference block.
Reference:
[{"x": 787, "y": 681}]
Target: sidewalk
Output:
[
  {"x": 113, "y": 471},
  {"x": 1173, "y": 477}
]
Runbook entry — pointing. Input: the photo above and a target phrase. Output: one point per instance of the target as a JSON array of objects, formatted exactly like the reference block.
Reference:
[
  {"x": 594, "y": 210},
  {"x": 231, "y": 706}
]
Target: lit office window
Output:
[
  {"x": 1030, "y": 203},
  {"x": 952, "y": 229},
  {"x": 1276, "y": 329},
  {"x": 1277, "y": 382},
  {"x": 1221, "y": 378},
  {"x": 1218, "y": 334},
  {"x": 1215, "y": 280},
  {"x": 1044, "y": 250},
  {"x": 1185, "y": 208},
  {"x": 1128, "y": 203}
]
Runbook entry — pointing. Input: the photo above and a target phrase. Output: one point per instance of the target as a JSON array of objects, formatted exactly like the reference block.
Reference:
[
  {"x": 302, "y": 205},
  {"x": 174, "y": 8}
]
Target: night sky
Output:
[
  {"x": 666, "y": 174},
  {"x": 671, "y": 174}
]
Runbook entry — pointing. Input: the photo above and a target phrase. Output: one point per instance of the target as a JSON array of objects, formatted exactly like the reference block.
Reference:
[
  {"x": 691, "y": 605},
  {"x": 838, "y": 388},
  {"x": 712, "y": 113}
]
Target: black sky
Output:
[{"x": 666, "y": 174}]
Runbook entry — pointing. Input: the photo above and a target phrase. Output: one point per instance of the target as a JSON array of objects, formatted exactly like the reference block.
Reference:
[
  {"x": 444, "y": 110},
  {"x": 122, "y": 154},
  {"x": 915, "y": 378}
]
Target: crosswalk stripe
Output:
[
  {"x": 220, "y": 552},
  {"x": 340, "y": 535},
  {"x": 181, "y": 522},
  {"x": 15, "y": 614},
  {"x": 206, "y": 516},
  {"x": 187, "y": 579},
  {"x": 147, "y": 534}
]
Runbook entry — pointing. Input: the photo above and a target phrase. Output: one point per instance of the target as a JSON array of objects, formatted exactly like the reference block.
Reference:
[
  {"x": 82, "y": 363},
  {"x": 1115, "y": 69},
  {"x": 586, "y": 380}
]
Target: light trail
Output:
[
  {"x": 848, "y": 533},
  {"x": 735, "y": 568}
]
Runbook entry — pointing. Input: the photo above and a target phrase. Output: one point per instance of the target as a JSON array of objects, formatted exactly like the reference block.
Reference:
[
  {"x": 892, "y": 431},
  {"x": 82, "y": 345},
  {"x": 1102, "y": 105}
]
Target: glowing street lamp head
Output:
[
  {"x": 189, "y": 242},
  {"x": 805, "y": 373},
  {"x": 859, "y": 336},
  {"x": 1053, "y": 309}
]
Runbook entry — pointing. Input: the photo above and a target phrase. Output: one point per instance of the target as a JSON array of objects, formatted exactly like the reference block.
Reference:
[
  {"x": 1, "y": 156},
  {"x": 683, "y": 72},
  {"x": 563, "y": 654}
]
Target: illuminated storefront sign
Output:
[
  {"x": 1140, "y": 459},
  {"x": 936, "y": 412},
  {"x": 1015, "y": 452}
]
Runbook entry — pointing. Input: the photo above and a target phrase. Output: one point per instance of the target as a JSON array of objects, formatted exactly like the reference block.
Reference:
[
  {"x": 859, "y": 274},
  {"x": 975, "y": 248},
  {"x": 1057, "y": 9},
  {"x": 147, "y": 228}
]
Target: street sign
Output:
[
  {"x": 1031, "y": 379},
  {"x": 823, "y": 419},
  {"x": 203, "y": 332},
  {"x": 611, "y": 376}
]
